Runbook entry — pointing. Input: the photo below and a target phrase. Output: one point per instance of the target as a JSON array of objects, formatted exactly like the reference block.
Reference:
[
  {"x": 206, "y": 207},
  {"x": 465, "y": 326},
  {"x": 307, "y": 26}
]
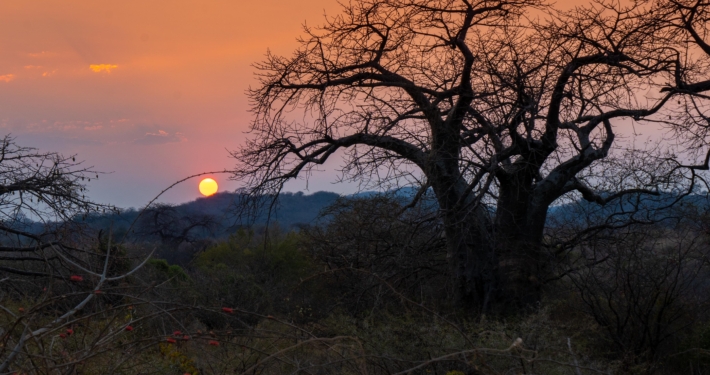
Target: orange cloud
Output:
[
  {"x": 33, "y": 66},
  {"x": 7, "y": 77},
  {"x": 102, "y": 67}
]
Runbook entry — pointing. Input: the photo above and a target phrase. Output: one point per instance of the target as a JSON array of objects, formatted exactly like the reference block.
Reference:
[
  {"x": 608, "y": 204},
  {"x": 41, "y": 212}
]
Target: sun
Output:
[{"x": 208, "y": 187}]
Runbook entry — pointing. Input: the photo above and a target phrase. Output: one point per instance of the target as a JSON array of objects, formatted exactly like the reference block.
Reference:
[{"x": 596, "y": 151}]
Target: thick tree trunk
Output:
[
  {"x": 495, "y": 262},
  {"x": 519, "y": 227},
  {"x": 472, "y": 259},
  {"x": 470, "y": 248},
  {"x": 520, "y": 263},
  {"x": 496, "y": 266}
]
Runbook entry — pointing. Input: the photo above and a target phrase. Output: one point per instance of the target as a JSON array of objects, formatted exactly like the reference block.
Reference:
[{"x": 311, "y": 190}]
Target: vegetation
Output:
[
  {"x": 533, "y": 243},
  {"x": 365, "y": 290}
]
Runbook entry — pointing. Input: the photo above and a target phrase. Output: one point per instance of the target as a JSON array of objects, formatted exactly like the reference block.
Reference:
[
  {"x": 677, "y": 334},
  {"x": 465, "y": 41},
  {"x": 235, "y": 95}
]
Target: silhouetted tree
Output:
[
  {"x": 42, "y": 199},
  {"x": 500, "y": 115},
  {"x": 173, "y": 227}
]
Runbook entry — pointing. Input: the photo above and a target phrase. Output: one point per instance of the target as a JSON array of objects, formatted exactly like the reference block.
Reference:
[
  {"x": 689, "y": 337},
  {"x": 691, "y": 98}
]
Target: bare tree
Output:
[
  {"x": 45, "y": 256},
  {"x": 500, "y": 115},
  {"x": 42, "y": 200},
  {"x": 648, "y": 291},
  {"x": 172, "y": 227}
]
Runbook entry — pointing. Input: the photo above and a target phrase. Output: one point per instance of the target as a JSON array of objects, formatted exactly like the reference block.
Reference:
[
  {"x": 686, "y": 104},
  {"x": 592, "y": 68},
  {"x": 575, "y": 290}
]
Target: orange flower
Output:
[
  {"x": 171, "y": 340},
  {"x": 228, "y": 310},
  {"x": 76, "y": 278},
  {"x": 129, "y": 328},
  {"x": 213, "y": 343}
]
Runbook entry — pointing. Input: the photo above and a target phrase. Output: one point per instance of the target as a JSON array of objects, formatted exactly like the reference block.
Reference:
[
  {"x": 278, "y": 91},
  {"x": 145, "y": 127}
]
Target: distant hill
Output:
[
  {"x": 215, "y": 216},
  {"x": 290, "y": 211}
]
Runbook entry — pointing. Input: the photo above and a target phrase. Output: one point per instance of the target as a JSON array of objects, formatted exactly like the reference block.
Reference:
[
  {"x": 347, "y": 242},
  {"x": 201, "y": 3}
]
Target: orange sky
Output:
[{"x": 150, "y": 90}]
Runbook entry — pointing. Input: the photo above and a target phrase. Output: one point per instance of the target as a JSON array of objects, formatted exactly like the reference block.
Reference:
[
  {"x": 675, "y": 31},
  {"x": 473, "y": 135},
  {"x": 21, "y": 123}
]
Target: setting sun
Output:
[{"x": 208, "y": 187}]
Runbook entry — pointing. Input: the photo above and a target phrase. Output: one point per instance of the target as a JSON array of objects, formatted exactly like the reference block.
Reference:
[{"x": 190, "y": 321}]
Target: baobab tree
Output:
[{"x": 501, "y": 115}]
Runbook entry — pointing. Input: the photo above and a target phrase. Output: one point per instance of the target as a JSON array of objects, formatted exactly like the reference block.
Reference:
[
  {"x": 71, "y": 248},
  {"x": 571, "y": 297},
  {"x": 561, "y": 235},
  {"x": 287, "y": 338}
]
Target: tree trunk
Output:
[
  {"x": 519, "y": 227},
  {"x": 472, "y": 259},
  {"x": 495, "y": 263}
]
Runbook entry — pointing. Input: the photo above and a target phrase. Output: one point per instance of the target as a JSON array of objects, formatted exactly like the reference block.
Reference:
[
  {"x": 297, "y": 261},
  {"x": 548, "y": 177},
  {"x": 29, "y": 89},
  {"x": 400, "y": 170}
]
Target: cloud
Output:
[
  {"x": 33, "y": 66},
  {"x": 98, "y": 68},
  {"x": 114, "y": 131},
  {"x": 7, "y": 77},
  {"x": 160, "y": 137}
]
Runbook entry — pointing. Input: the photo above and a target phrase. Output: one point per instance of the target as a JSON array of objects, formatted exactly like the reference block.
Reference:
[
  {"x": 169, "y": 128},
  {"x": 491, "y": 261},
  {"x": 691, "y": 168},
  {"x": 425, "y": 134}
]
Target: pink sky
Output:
[
  {"x": 152, "y": 91},
  {"x": 165, "y": 96}
]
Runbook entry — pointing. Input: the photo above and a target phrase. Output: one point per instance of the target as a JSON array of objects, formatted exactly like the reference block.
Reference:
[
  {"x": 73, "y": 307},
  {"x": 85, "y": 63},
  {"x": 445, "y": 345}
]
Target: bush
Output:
[
  {"x": 648, "y": 291},
  {"x": 255, "y": 273}
]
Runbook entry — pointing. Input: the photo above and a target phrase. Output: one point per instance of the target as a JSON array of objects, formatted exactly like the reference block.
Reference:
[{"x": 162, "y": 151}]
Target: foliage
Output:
[
  {"x": 373, "y": 245},
  {"x": 500, "y": 115},
  {"x": 171, "y": 271}
]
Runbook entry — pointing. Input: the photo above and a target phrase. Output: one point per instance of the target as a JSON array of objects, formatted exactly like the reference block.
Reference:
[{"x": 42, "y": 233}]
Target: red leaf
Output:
[
  {"x": 76, "y": 278},
  {"x": 171, "y": 340},
  {"x": 228, "y": 310},
  {"x": 129, "y": 328},
  {"x": 213, "y": 343}
]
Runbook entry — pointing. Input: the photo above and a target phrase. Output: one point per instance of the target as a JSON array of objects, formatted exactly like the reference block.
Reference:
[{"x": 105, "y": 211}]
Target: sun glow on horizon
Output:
[{"x": 208, "y": 187}]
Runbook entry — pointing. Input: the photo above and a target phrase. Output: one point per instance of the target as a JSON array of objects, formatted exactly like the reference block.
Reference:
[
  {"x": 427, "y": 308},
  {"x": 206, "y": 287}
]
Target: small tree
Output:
[
  {"x": 502, "y": 116},
  {"x": 42, "y": 202},
  {"x": 48, "y": 266},
  {"x": 649, "y": 289}
]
